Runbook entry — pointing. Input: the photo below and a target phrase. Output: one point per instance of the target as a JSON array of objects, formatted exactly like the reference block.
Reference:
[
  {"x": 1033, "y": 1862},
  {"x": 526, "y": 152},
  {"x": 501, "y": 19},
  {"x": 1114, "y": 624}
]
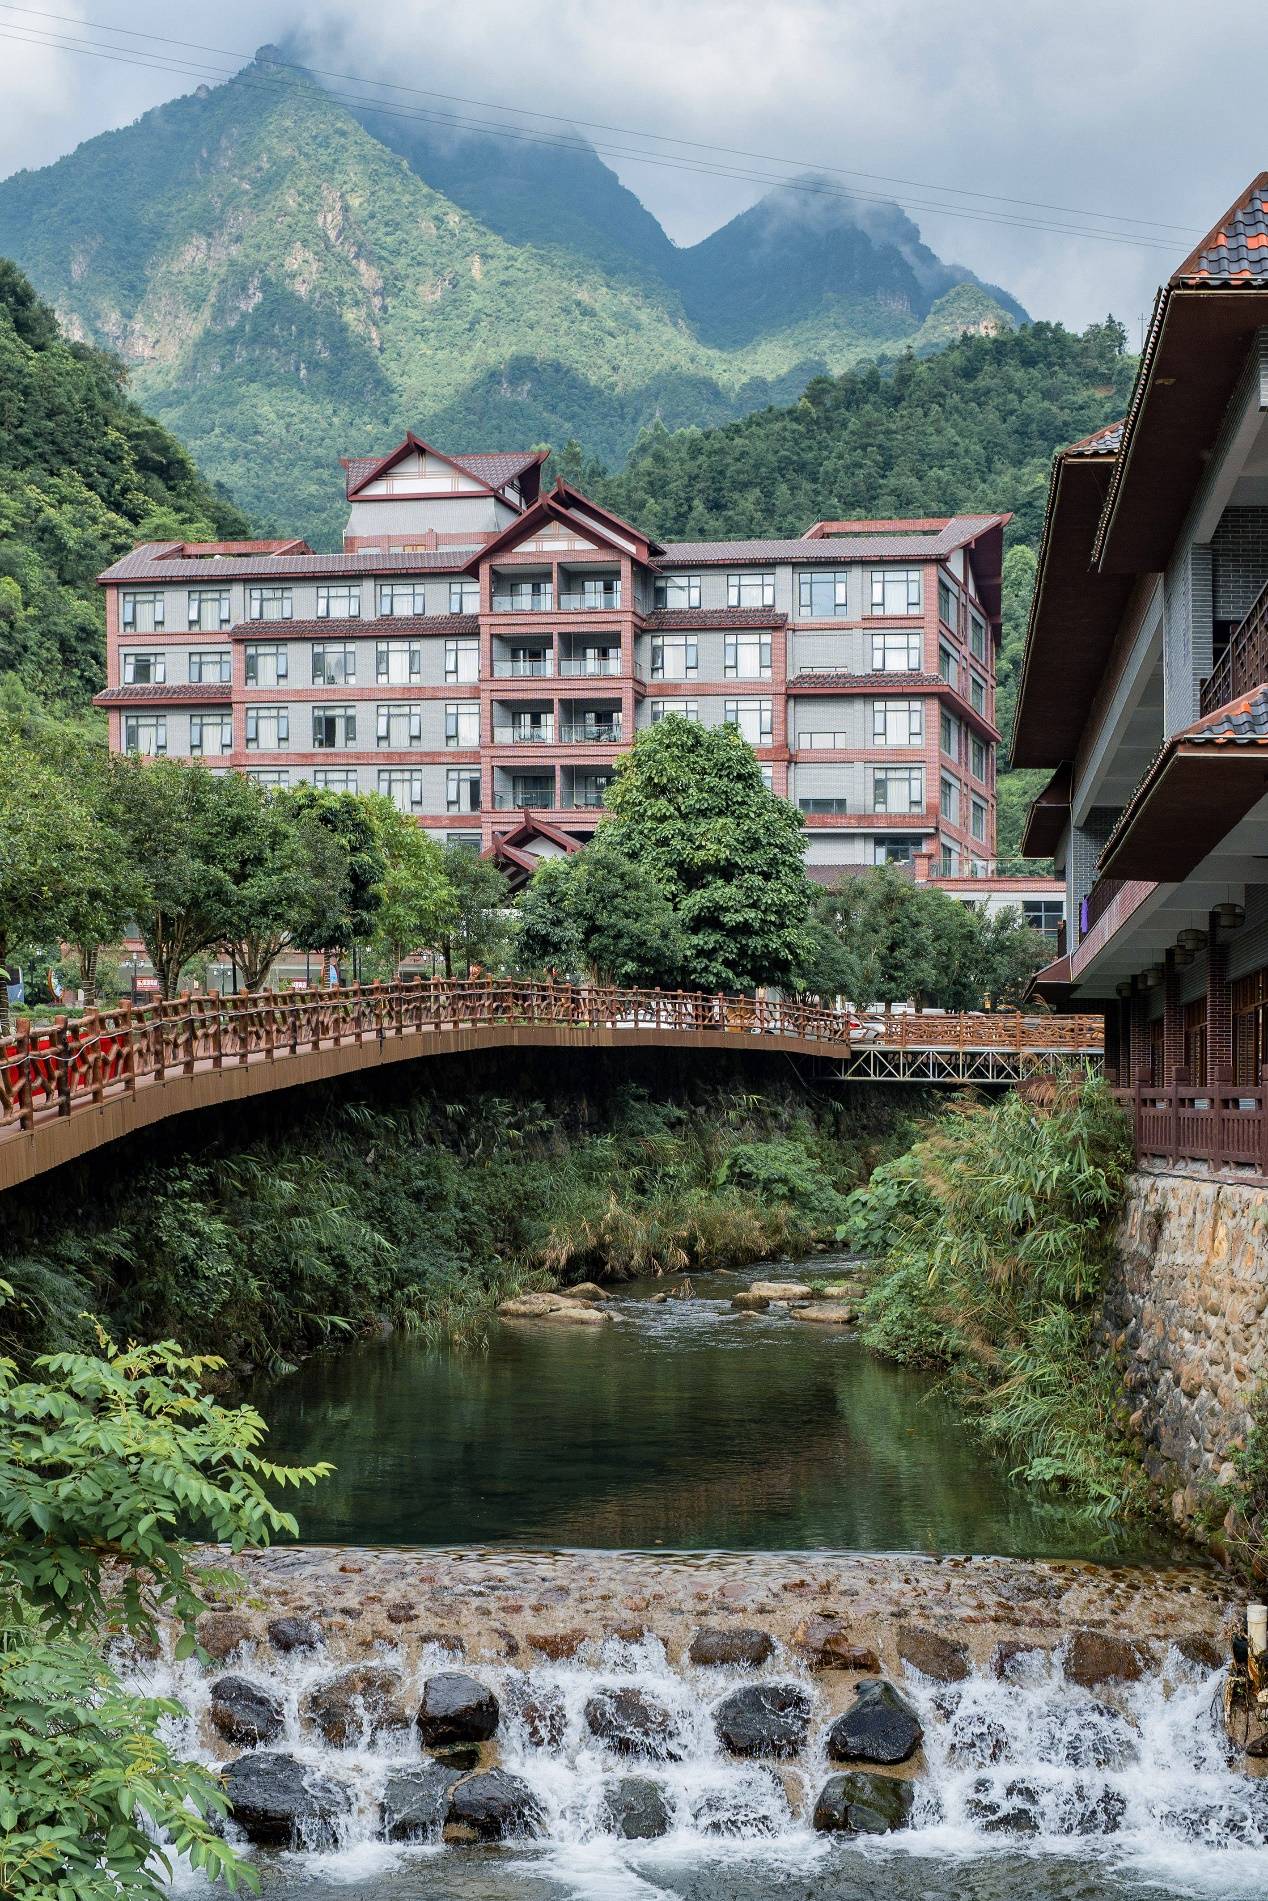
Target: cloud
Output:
[{"x": 1088, "y": 107}]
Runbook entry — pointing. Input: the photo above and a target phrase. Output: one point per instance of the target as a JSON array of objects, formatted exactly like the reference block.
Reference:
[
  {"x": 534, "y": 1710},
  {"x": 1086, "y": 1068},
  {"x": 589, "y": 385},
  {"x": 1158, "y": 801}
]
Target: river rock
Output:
[
  {"x": 295, "y": 1633},
  {"x": 880, "y": 1726},
  {"x": 730, "y": 1647},
  {"x": 491, "y": 1806},
  {"x": 633, "y": 1723},
  {"x": 245, "y": 1712},
  {"x": 1007, "y": 1808},
  {"x": 359, "y": 1702},
  {"x": 749, "y": 1303},
  {"x": 556, "y": 1307},
  {"x": 558, "y": 1644},
  {"x": 586, "y": 1290},
  {"x": 742, "y": 1811},
  {"x": 456, "y": 1709},
  {"x": 1200, "y": 1651},
  {"x": 825, "y": 1643},
  {"x": 220, "y": 1633},
  {"x": 863, "y": 1804},
  {"x": 1094, "y": 1736},
  {"x": 540, "y": 1709},
  {"x": 933, "y": 1654},
  {"x": 764, "y": 1719},
  {"x": 1014, "y": 1661},
  {"x": 780, "y": 1290},
  {"x": 1094, "y": 1656},
  {"x": 635, "y": 1809},
  {"x": 416, "y": 1801},
  {"x": 824, "y": 1314},
  {"x": 278, "y": 1802}
]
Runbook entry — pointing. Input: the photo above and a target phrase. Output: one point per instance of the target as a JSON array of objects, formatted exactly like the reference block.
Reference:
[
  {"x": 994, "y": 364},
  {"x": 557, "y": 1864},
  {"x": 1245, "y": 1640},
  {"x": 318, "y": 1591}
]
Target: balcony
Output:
[
  {"x": 535, "y": 666},
  {"x": 591, "y": 732},
  {"x": 1243, "y": 665},
  {"x": 592, "y": 666},
  {"x": 524, "y": 601},
  {"x": 542, "y": 733},
  {"x": 592, "y": 600},
  {"x": 537, "y": 797}
]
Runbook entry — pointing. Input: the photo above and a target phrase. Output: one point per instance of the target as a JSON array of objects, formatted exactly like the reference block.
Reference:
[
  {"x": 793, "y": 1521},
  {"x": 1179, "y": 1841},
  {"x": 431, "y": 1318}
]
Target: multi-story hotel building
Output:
[{"x": 481, "y": 651}]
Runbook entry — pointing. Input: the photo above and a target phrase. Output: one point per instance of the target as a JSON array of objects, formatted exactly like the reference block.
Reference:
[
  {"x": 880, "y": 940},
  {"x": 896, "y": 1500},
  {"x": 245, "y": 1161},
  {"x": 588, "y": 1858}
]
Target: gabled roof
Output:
[
  {"x": 574, "y": 511},
  {"x": 488, "y": 469},
  {"x": 511, "y": 849},
  {"x": 1235, "y": 250}
]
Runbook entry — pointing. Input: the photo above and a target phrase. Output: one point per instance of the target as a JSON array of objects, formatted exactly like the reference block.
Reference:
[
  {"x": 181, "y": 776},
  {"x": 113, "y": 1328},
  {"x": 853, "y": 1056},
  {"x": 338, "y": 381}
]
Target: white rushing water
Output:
[{"x": 1136, "y": 1783}]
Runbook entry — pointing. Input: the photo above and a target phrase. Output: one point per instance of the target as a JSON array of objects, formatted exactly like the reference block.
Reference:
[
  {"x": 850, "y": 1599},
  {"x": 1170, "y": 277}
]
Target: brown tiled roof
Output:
[
  {"x": 174, "y": 695},
  {"x": 373, "y": 626},
  {"x": 920, "y": 544},
  {"x": 1235, "y": 251},
  {"x": 688, "y": 617},
  {"x": 1104, "y": 441},
  {"x": 154, "y": 562},
  {"x": 1243, "y": 722},
  {"x": 493, "y": 467},
  {"x": 879, "y": 682}
]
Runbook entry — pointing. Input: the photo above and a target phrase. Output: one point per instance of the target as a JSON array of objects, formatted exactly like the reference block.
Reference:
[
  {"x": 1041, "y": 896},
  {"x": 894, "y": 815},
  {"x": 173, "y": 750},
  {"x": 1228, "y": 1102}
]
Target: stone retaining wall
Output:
[{"x": 1186, "y": 1309}]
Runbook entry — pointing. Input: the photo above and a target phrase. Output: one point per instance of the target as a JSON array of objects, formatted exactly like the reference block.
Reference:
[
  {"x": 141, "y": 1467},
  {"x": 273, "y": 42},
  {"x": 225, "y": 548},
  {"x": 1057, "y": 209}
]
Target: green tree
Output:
[
  {"x": 600, "y": 911},
  {"x": 291, "y": 885},
  {"x": 416, "y": 901},
  {"x": 1011, "y": 953},
  {"x": 110, "y": 1460},
  {"x": 46, "y": 834},
  {"x": 350, "y": 819},
  {"x": 902, "y": 942},
  {"x": 692, "y": 811},
  {"x": 479, "y": 932}
]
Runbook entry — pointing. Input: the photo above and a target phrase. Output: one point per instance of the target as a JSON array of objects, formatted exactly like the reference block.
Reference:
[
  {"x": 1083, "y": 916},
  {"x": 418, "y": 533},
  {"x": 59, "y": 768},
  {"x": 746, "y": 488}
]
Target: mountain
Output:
[
  {"x": 83, "y": 475},
  {"x": 288, "y": 281}
]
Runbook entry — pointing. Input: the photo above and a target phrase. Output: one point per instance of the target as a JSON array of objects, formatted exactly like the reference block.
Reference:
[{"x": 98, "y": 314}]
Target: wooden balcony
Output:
[{"x": 1243, "y": 665}]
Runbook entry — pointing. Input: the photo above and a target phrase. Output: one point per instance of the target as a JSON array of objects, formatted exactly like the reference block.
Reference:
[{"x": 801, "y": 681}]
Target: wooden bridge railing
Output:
[
  {"x": 1224, "y": 1124},
  {"x": 74, "y": 1064}
]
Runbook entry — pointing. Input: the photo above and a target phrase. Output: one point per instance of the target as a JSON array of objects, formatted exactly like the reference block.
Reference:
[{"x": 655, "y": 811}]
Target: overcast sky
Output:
[{"x": 1116, "y": 107}]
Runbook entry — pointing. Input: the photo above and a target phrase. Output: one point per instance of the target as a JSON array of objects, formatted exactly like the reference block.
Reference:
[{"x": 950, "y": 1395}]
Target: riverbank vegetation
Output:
[
  {"x": 992, "y": 1237},
  {"x": 423, "y": 1208}
]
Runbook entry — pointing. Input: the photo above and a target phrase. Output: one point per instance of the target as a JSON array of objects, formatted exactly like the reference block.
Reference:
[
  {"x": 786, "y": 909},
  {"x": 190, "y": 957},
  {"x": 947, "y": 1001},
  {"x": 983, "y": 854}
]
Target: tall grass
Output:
[{"x": 992, "y": 1237}]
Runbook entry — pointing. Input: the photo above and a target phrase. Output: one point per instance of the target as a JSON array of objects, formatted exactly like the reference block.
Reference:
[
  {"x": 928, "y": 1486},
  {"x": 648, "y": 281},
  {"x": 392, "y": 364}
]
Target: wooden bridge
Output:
[{"x": 75, "y": 1085}]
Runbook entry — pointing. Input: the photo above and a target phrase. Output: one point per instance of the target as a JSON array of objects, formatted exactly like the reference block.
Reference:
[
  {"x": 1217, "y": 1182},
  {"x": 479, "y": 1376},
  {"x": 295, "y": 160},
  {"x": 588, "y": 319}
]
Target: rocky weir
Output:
[{"x": 549, "y": 1703}]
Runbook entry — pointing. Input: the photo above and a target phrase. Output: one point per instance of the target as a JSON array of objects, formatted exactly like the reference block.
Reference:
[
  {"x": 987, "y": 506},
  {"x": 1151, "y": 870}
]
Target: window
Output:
[
  {"x": 334, "y": 666},
  {"x": 210, "y": 666},
  {"x": 402, "y": 597},
  {"x": 144, "y": 669},
  {"x": 895, "y": 591},
  {"x": 526, "y": 597},
  {"x": 896, "y": 653},
  {"x": 823, "y": 741},
  {"x": 948, "y": 666},
  {"x": 334, "y": 726},
  {"x": 335, "y": 778},
  {"x": 404, "y": 788},
  {"x": 750, "y": 590},
  {"x": 141, "y": 613},
  {"x": 948, "y": 861},
  {"x": 977, "y": 820},
  {"x": 893, "y": 851},
  {"x": 827, "y": 808},
  {"x": 210, "y": 733},
  {"x": 1044, "y": 915},
  {"x": 462, "y": 789},
  {"x": 268, "y": 603},
  {"x": 675, "y": 657},
  {"x": 528, "y": 727},
  {"x": 601, "y": 591},
  {"x": 747, "y": 657},
  {"x": 399, "y": 726},
  {"x": 898, "y": 789},
  {"x": 977, "y": 635},
  {"x": 208, "y": 609},
  {"x": 949, "y": 800},
  {"x": 898, "y": 723},
  {"x": 948, "y": 603},
  {"x": 820, "y": 595},
  {"x": 462, "y": 723},
  {"x": 464, "y": 597},
  {"x": 590, "y": 788},
  {"x": 339, "y": 603},
  {"x": 268, "y": 727},
  {"x": 755, "y": 719},
  {"x": 949, "y": 735},
  {"x": 266, "y": 666},
  {"x": 977, "y": 695},
  {"x": 397, "y": 662},
  {"x": 980, "y": 760},
  {"x": 685, "y": 709},
  {"x": 145, "y": 733},
  {"x": 462, "y": 659},
  {"x": 270, "y": 775},
  {"x": 677, "y": 590},
  {"x": 529, "y": 788},
  {"x": 768, "y": 777},
  {"x": 978, "y": 868}
]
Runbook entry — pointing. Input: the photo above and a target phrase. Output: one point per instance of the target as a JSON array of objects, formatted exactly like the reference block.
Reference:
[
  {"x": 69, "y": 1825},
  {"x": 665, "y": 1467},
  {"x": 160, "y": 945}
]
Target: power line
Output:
[{"x": 493, "y": 130}]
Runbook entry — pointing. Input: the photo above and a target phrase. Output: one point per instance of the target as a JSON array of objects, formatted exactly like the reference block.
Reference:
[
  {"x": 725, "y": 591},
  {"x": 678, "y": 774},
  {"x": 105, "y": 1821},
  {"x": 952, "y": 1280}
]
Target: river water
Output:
[{"x": 682, "y": 1427}]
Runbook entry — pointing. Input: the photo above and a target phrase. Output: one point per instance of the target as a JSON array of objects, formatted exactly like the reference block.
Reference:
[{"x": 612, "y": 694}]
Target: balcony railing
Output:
[
  {"x": 539, "y": 799},
  {"x": 540, "y": 667},
  {"x": 507, "y": 603},
  {"x": 581, "y": 600},
  {"x": 587, "y": 801},
  {"x": 1243, "y": 665},
  {"x": 591, "y": 666},
  {"x": 1097, "y": 903},
  {"x": 591, "y": 732},
  {"x": 524, "y": 735}
]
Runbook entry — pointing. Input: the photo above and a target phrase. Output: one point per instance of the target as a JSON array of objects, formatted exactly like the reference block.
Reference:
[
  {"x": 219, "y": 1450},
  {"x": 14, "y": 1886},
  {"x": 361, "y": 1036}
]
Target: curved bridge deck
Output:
[{"x": 76, "y": 1085}]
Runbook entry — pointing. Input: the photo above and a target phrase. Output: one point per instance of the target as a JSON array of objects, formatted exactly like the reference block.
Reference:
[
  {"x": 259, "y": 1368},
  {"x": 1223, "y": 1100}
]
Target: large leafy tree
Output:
[
  {"x": 291, "y": 886},
  {"x": 602, "y": 913},
  {"x": 47, "y": 835},
  {"x": 416, "y": 902},
  {"x": 690, "y": 808},
  {"x": 479, "y": 932},
  {"x": 351, "y": 821}
]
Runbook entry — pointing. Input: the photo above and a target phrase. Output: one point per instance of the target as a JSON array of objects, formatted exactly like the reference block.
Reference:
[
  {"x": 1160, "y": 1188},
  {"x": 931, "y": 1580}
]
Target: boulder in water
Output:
[
  {"x": 542, "y": 1711},
  {"x": 633, "y": 1723},
  {"x": 556, "y": 1307},
  {"x": 1095, "y": 1656},
  {"x": 880, "y": 1726},
  {"x": 1203, "y": 1652},
  {"x": 295, "y": 1633},
  {"x": 1014, "y": 1661},
  {"x": 826, "y": 1644},
  {"x": 490, "y": 1806},
  {"x": 222, "y": 1632},
  {"x": 635, "y": 1809},
  {"x": 456, "y": 1708},
  {"x": 934, "y": 1655},
  {"x": 1004, "y": 1808},
  {"x": 277, "y": 1802},
  {"x": 749, "y": 1303},
  {"x": 764, "y": 1719},
  {"x": 825, "y": 1314},
  {"x": 416, "y": 1801},
  {"x": 558, "y": 1644},
  {"x": 360, "y": 1702},
  {"x": 710, "y": 1646},
  {"x": 245, "y": 1712},
  {"x": 781, "y": 1290},
  {"x": 863, "y": 1804},
  {"x": 586, "y": 1290}
]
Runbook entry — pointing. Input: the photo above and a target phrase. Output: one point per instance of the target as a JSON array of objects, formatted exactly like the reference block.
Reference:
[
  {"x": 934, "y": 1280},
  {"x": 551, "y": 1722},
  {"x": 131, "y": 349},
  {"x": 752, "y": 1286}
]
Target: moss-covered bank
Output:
[{"x": 265, "y": 1235}]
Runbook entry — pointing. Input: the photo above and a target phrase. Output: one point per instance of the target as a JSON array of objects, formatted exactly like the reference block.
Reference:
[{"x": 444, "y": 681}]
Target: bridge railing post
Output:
[
  {"x": 217, "y": 1029},
  {"x": 61, "y": 1048},
  {"x": 25, "y": 1089}
]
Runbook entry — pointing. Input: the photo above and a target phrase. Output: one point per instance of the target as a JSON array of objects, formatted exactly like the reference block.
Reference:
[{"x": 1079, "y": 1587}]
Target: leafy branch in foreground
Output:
[{"x": 105, "y": 1461}]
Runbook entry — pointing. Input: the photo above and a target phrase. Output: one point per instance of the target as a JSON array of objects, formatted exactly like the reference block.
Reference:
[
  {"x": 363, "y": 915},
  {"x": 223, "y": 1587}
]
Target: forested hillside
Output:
[{"x": 84, "y": 474}]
